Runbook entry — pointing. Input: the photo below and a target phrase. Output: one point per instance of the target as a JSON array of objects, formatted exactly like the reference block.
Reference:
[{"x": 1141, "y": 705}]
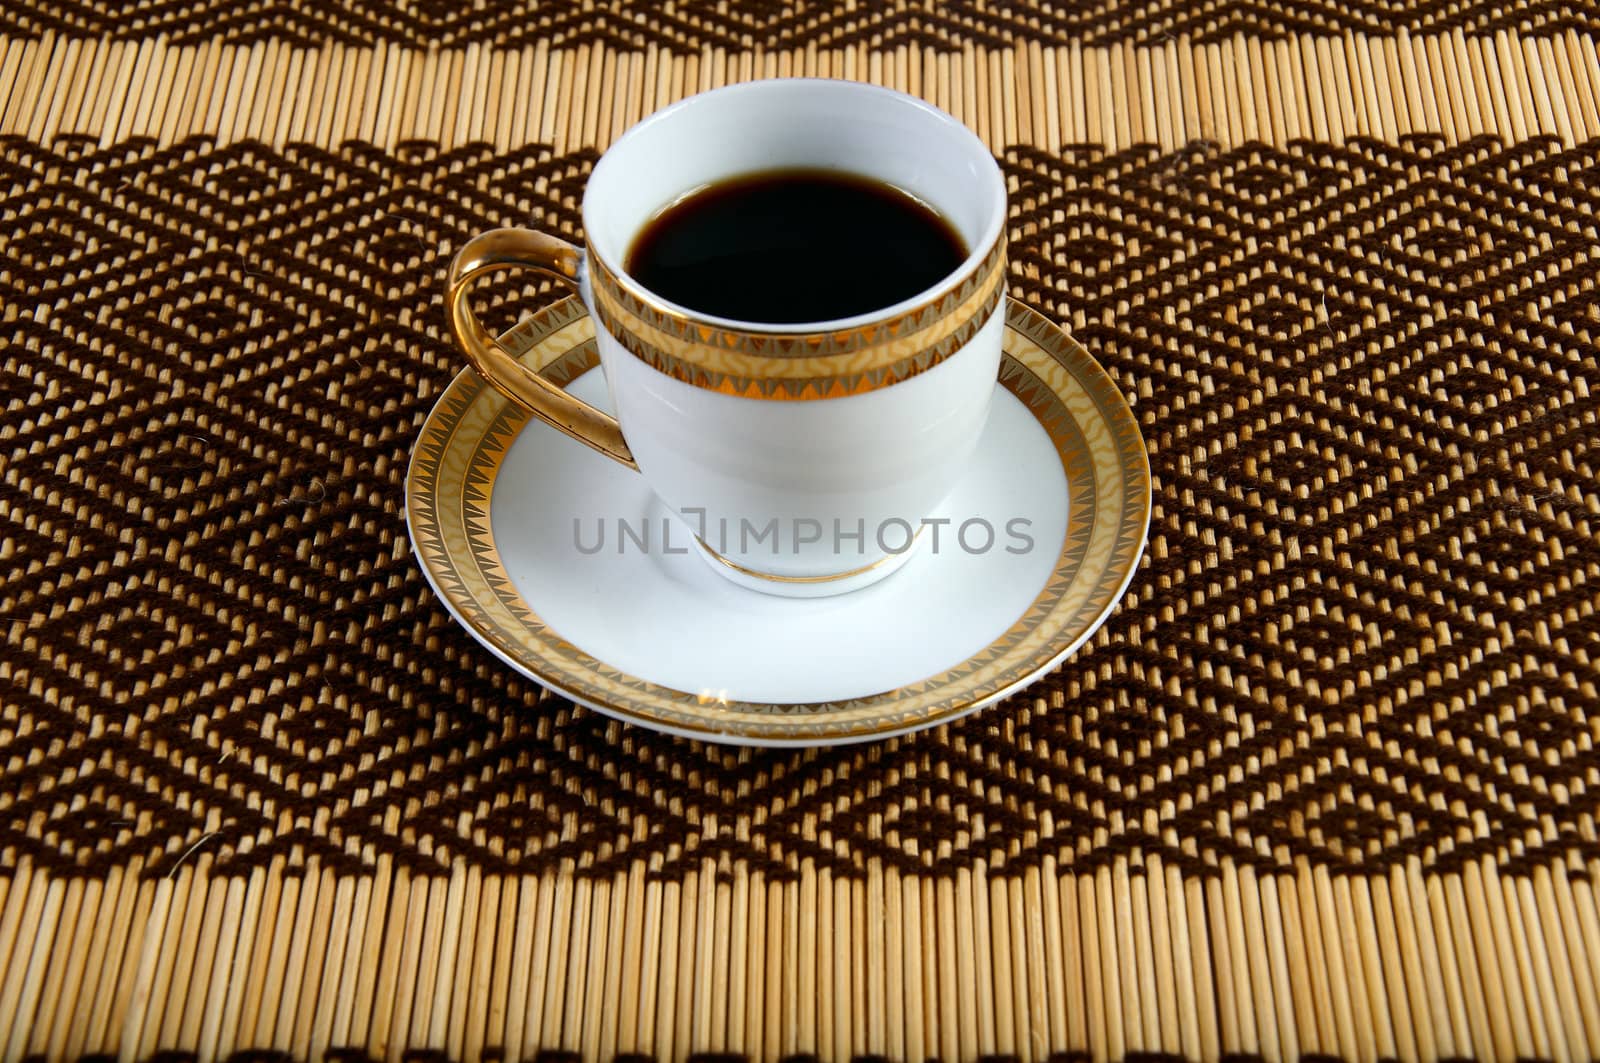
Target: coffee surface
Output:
[{"x": 794, "y": 246}]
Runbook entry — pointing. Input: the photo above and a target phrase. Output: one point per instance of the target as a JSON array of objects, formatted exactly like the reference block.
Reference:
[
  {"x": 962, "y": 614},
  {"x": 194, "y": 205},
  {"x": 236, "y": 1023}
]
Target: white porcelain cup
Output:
[{"x": 803, "y": 458}]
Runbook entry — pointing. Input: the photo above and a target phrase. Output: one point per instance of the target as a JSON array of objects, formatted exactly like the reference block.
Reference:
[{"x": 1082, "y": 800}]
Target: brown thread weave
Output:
[
  {"x": 686, "y": 27},
  {"x": 1367, "y": 375}
]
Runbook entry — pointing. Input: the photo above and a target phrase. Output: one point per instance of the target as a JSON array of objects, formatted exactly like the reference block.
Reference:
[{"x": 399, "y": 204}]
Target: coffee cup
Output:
[{"x": 803, "y": 457}]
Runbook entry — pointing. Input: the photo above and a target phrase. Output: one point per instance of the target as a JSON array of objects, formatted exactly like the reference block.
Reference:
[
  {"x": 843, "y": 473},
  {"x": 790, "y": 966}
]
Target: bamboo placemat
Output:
[{"x": 1324, "y": 785}]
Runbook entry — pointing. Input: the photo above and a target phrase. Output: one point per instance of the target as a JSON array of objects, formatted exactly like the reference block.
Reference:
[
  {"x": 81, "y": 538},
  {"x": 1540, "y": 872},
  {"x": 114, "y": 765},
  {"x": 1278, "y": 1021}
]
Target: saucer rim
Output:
[{"x": 784, "y": 729}]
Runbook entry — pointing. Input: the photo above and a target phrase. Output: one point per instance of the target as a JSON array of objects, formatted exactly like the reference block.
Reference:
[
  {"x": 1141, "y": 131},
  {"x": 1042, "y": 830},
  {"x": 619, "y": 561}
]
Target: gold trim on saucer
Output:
[
  {"x": 800, "y": 365},
  {"x": 466, "y": 438}
]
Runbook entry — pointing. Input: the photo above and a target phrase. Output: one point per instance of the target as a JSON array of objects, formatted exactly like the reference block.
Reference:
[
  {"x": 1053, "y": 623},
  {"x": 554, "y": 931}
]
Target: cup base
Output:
[{"x": 819, "y": 586}]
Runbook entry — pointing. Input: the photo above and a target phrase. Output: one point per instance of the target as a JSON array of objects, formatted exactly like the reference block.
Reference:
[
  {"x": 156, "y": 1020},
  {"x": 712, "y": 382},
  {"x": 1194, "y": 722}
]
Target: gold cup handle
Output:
[{"x": 523, "y": 248}]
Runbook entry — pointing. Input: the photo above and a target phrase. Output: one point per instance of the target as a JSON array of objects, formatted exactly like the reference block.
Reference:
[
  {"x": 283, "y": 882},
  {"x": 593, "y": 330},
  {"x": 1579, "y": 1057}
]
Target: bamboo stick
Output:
[{"x": 1165, "y": 92}]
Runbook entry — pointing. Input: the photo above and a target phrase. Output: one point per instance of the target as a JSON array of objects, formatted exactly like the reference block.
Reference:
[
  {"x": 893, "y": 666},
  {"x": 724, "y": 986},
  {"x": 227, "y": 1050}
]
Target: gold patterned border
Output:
[
  {"x": 1102, "y": 453},
  {"x": 800, "y": 365}
]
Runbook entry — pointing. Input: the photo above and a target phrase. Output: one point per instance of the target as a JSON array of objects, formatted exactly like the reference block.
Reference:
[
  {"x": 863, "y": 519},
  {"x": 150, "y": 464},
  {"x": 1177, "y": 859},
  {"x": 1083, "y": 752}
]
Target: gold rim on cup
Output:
[{"x": 800, "y": 365}]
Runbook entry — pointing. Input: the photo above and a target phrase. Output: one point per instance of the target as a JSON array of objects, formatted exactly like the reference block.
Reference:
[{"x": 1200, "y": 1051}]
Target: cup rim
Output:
[{"x": 982, "y": 249}]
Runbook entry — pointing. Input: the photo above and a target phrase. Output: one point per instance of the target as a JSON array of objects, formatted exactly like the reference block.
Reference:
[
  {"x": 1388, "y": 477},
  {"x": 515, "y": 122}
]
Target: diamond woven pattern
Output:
[{"x": 1366, "y": 374}]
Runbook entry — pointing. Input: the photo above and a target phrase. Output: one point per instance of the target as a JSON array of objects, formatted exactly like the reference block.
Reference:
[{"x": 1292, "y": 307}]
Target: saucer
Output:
[{"x": 567, "y": 567}]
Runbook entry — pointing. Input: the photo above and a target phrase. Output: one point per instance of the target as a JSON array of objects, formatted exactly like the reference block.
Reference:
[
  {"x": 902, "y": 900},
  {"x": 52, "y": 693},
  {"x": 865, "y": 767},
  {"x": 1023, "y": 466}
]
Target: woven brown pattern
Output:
[
  {"x": 689, "y": 25},
  {"x": 1366, "y": 374}
]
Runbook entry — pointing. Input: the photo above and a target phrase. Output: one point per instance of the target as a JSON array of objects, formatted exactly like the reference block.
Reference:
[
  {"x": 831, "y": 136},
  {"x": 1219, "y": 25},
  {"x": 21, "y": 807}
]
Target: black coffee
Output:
[{"x": 793, "y": 246}]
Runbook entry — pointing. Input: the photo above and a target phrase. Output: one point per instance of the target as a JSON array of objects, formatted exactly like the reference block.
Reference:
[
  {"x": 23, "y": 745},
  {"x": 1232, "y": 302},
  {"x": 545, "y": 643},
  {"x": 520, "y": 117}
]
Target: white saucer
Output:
[{"x": 653, "y": 636}]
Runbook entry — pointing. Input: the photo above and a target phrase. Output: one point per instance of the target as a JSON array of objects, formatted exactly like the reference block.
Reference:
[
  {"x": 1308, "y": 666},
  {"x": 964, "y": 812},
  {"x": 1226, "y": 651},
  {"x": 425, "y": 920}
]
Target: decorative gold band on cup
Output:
[
  {"x": 800, "y": 365},
  {"x": 831, "y": 577}
]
